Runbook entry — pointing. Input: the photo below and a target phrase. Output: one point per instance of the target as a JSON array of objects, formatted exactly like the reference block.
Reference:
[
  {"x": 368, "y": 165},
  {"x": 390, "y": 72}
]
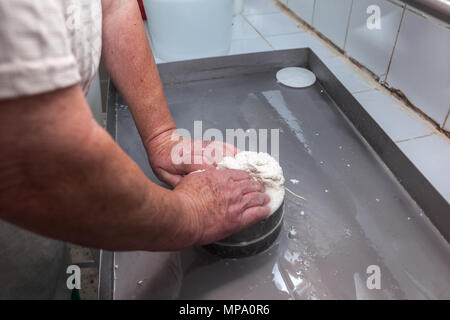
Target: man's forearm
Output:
[
  {"x": 63, "y": 176},
  {"x": 128, "y": 59}
]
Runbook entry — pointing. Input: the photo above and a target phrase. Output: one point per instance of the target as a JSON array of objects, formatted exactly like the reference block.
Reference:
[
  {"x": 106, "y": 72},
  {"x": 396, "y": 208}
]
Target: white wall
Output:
[{"x": 410, "y": 52}]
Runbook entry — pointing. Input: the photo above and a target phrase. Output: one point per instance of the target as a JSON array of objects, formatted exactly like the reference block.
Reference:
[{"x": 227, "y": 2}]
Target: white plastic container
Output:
[{"x": 189, "y": 29}]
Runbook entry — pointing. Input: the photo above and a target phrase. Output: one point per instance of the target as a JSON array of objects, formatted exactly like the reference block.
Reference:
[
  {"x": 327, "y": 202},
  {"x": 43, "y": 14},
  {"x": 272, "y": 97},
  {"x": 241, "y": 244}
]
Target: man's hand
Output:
[
  {"x": 219, "y": 203},
  {"x": 66, "y": 178},
  {"x": 166, "y": 149}
]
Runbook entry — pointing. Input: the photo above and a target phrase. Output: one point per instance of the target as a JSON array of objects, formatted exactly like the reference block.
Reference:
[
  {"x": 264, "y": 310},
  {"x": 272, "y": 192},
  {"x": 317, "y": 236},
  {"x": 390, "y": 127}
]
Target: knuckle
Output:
[
  {"x": 259, "y": 199},
  {"x": 245, "y": 186},
  {"x": 257, "y": 186},
  {"x": 237, "y": 195},
  {"x": 262, "y": 187}
]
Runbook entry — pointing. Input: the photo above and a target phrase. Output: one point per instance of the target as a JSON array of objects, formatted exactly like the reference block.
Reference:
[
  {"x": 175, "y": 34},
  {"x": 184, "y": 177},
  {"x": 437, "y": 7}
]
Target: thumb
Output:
[
  {"x": 169, "y": 178},
  {"x": 253, "y": 215},
  {"x": 197, "y": 163}
]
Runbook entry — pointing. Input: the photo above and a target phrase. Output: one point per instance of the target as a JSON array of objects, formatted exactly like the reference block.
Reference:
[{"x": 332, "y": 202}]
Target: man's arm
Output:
[
  {"x": 129, "y": 60},
  {"x": 63, "y": 176}
]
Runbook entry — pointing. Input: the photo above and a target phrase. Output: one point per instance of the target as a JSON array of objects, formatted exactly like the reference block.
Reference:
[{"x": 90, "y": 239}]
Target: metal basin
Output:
[
  {"x": 367, "y": 203},
  {"x": 251, "y": 241}
]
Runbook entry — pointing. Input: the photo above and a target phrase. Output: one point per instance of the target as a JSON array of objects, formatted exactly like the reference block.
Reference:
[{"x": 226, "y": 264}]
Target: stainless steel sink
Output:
[{"x": 367, "y": 203}]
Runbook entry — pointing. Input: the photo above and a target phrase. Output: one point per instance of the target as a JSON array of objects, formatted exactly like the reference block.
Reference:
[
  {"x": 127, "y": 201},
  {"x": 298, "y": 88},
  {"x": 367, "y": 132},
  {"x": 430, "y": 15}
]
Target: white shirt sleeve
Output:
[{"x": 35, "y": 50}]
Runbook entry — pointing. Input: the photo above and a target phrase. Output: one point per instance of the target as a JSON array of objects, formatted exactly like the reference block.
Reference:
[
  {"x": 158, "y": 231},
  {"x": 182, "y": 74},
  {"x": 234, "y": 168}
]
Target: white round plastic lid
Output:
[{"x": 295, "y": 77}]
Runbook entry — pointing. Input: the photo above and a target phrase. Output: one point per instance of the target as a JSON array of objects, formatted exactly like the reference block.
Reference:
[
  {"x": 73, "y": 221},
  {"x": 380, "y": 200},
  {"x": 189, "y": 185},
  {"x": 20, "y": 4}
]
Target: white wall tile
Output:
[
  {"x": 331, "y": 18},
  {"x": 421, "y": 65},
  {"x": 302, "y": 8},
  {"x": 242, "y": 29},
  {"x": 347, "y": 75},
  {"x": 447, "y": 124},
  {"x": 373, "y": 47},
  {"x": 274, "y": 24},
  {"x": 301, "y": 40},
  {"x": 259, "y": 7},
  {"x": 249, "y": 45},
  {"x": 398, "y": 122},
  {"x": 431, "y": 155}
]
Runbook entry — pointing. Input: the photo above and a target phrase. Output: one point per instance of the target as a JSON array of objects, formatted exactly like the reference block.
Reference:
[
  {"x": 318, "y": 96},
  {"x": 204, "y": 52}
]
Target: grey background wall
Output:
[{"x": 410, "y": 52}]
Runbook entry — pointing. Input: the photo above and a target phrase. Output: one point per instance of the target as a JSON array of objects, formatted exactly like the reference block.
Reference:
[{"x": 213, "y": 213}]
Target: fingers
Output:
[
  {"x": 215, "y": 151},
  {"x": 171, "y": 179},
  {"x": 255, "y": 199},
  {"x": 237, "y": 175},
  {"x": 188, "y": 168},
  {"x": 247, "y": 186},
  {"x": 253, "y": 215},
  {"x": 230, "y": 150}
]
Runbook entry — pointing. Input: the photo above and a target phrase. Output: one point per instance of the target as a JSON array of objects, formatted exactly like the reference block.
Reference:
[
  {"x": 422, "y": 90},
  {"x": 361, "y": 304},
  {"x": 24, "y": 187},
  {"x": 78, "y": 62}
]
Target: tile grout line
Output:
[
  {"x": 429, "y": 17},
  {"x": 415, "y": 138},
  {"x": 273, "y": 2},
  {"x": 309, "y": 29},
  {"x": 446, "y": 119},
  {"x": 261, "y": 14},
  {"x": 301, "y": 24},
  {"x": 395, "y": 3},
  {"x": 348, "y": 25},
  {"x": 260, "y": 34},
  {"x": 395, "y": 44},
  {"x": 363, "y": 91},
  {"x": 313, "y": 12}
]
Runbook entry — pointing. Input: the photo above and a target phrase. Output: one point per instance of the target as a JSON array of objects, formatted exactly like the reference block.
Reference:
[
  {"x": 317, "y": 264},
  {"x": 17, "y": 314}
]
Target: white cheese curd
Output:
[{"x": 262, "y": 167}]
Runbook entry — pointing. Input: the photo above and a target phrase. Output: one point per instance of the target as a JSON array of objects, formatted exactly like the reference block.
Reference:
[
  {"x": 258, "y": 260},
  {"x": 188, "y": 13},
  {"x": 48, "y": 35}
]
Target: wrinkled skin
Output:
[
  {"x": 202, "y": 157},
  {"x": 218, "y": 202},
  {"x": 222, "y": 203}
]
